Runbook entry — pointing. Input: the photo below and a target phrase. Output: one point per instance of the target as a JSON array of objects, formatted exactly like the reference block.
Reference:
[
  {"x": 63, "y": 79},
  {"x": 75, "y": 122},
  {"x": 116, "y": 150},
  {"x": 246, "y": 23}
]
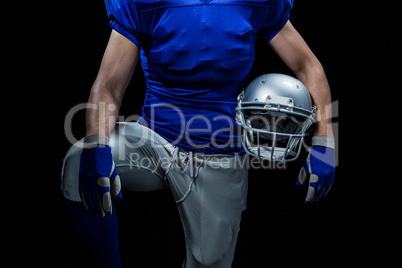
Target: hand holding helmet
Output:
[
  {"x": 319, "y": 168},
  {"x": 275, "y": 111}
]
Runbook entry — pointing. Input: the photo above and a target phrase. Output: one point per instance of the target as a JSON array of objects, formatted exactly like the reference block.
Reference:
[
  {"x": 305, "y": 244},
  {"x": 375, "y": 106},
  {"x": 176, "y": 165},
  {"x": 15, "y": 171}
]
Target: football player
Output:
[{"x": 196, "y": 56}]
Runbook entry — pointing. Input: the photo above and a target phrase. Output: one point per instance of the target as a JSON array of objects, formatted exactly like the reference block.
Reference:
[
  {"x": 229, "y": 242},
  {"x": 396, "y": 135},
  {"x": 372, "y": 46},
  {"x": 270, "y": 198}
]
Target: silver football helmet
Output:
[{"x": 274, "y": 111}]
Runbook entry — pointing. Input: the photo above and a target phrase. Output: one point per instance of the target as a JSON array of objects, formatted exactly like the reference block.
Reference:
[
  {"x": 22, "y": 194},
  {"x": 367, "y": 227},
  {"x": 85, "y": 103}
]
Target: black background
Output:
[{"x": 52, "y": 52}]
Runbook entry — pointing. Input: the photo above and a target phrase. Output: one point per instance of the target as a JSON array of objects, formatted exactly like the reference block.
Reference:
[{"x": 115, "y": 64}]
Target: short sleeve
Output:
[
  {"x": 277, "y": 17},
  {"x": 124, "y": 18}
]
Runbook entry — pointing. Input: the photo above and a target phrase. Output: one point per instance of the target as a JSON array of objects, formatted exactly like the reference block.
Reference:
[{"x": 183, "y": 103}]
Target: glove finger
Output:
[
  {"x": 328, "y": 189},
  {"x": 107, "y": 203},
  {"x": 310, "y": 194},
  {"x": 104, "y": 200},
  {"x": 321, "y": 191},
  {"x": 87, "y": 200},
  {"x": 98, "y": 205},
  {"x": 90, "y": 201},
  {"x": 324, "y": 185},
  {"x": 312, "y": 189},
  {"x": 331, "y": 182},
  {"x": 116, "y": 187},
  {"x": 84, "y": 202},
  {"x": 104, "y": 182},
  {"x": 115, "y": 184},
  {"x": 302, "y": 177}
]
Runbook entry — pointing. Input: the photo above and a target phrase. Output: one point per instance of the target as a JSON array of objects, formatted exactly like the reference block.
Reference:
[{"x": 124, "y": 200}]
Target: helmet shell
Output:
[{"x": 278, "y": 88}]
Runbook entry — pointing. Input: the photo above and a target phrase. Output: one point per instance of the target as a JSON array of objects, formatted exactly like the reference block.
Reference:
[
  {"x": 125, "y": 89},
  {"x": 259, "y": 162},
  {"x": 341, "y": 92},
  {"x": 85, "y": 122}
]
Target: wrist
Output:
[
  {"x": 324, "y": 130},
  {"x": 96, "y": 140},
  {"x": 323, "y": 141}
]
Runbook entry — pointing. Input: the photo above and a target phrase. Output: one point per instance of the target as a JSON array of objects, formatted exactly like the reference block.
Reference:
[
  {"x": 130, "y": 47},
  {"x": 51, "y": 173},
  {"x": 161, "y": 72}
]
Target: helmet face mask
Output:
[{"x": 274, "y": 112}]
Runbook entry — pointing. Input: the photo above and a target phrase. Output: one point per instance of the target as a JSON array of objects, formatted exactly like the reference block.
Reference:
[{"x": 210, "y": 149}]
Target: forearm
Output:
[
  {"x": 117, "y": 67},
  {"x": 295, "y": 52},
  {"x": 102, "y": 111},
  {"x": 313, "y": 77}
]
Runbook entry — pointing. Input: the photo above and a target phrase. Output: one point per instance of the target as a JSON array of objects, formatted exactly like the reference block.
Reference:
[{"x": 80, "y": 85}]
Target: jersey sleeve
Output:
[
  {"x": 277, "y": 17},
  {"x": 124, "y": 18}
]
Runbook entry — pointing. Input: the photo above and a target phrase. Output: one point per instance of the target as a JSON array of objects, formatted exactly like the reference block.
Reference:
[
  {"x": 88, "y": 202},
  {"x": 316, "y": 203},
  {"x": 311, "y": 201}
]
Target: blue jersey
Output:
[{"x": 196, "y": 56}]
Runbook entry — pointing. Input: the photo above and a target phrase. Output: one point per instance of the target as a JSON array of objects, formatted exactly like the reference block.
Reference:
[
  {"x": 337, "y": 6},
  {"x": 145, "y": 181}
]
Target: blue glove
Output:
[
  {"x": 98, "y": 177},
  {"x": 319, "y": 168}
]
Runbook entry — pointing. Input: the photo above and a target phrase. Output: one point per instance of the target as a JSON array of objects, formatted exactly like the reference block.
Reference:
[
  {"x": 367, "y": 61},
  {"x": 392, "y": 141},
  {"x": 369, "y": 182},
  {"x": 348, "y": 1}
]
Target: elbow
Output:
[
  {"x": 309, "y": 68},
  {"x": 106, "y": 93}
]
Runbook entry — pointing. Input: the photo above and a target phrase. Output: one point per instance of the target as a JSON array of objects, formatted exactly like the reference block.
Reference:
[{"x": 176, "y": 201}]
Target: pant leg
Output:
[
  {"x": 210, "y": 198},
  {"x": 99, "y": 234},
  {"x": 211, "y": 212},
  {"x": 138, "y": 154}
]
